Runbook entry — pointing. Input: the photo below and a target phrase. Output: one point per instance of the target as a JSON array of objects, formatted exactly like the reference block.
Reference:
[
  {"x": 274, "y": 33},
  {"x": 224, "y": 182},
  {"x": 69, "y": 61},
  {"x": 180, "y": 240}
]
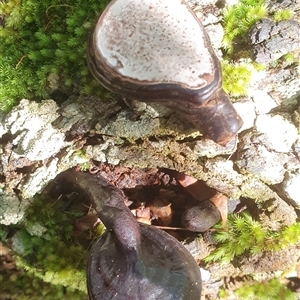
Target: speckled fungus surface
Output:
[{"x": 158, "y": 51}]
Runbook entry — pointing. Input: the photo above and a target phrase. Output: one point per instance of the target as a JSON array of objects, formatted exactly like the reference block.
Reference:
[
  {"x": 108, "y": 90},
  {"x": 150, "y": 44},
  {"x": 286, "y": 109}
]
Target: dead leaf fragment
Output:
[
  {"x": 220, "y": 201},
  {"x": 86, "y": 222},
  {"x": 162, "y": 211},
  {"x": 197, "y": 188}
]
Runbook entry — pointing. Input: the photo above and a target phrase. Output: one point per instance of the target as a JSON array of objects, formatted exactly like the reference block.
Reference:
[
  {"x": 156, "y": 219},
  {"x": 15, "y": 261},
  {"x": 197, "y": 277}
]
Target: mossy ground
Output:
[
  {"x": 49, "y": 250},
  {"x": 243, "y": 235},
  {"x": 43, "y": 49},
  {"x": 238, "y": 67}
]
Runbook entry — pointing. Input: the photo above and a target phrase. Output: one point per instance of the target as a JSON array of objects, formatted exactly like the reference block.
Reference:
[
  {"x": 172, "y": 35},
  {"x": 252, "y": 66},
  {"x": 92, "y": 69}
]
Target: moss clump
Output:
[
  {"x": 56, "y": 262},
  {"x": 237, "y": 20},
  {"x": 236, "y": 78},
  {"x": 283, "y": 14},
  {"x": 266, "y": 290},
  {"x": 25, "y": 286},
  {"x": 42, "y": 38},
  {"x": 243, "y": 235},
  {"x": 47, "y": 248},
  {"x": 270, "y": 290},
  {"x": 290, "y": 58}
]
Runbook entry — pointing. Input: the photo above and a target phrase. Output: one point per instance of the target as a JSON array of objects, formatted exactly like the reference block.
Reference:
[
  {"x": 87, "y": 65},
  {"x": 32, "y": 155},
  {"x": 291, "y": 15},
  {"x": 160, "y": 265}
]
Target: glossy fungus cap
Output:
[
  {"x": 164, "y": 269},
  {"x": 155, "y": 51}
]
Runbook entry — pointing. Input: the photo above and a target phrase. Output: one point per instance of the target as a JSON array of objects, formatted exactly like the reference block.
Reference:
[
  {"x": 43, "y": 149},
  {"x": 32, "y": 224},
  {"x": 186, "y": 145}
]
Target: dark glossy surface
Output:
[
  {"x": 161, "y": 269},
  {"x": 201, "y": 217},
  {"x": 133, "y": 261}
]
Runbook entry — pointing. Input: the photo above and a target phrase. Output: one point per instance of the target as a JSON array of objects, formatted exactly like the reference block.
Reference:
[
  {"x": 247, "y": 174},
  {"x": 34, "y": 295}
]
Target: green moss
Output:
[
  {"x": 237, "y": 20},
  {"x": 58, "y": 263},
  {"x": 270, "y": 290},
  {"x": 39, "y": 38},
  {"x": 243, "y": 235},
  {"x": 3, "y": 232},
  {"x": 85, "y": 166},
  {"x": 236, "y": 78},
  {"x": 53, "y": 256},
  {"x": 47, "y": 248},
  {"x": 24, "y": 286},
  {"x": 283, "y": 14},
  {"x": 290, "y": 58},
  {"x": 223, "y": 294}
]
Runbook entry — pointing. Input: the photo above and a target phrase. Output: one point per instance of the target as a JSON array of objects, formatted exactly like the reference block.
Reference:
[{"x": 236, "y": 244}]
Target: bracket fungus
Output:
[
  {"x": 158, "y": 51},
  {"x": 131, "y": 260}
]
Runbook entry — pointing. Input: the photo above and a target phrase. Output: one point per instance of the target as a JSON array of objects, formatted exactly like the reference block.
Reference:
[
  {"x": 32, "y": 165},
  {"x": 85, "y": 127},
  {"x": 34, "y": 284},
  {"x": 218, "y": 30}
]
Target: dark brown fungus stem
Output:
[
  {"x": 158, "y": 51},
  {"x": 132, "y": 261}
]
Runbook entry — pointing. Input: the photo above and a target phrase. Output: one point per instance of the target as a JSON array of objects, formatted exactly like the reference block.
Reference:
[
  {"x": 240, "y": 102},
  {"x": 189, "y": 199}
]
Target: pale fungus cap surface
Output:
[{"x": 155, "y": 41}]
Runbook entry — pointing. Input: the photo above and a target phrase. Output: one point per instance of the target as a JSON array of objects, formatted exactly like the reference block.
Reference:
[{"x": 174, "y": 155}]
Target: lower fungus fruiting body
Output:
[{"x": 132, "y": 260}]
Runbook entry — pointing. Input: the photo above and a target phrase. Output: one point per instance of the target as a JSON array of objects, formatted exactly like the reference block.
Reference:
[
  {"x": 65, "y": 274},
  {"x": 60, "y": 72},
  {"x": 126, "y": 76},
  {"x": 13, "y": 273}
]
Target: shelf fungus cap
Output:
[{"x": 158, "y": 51}]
